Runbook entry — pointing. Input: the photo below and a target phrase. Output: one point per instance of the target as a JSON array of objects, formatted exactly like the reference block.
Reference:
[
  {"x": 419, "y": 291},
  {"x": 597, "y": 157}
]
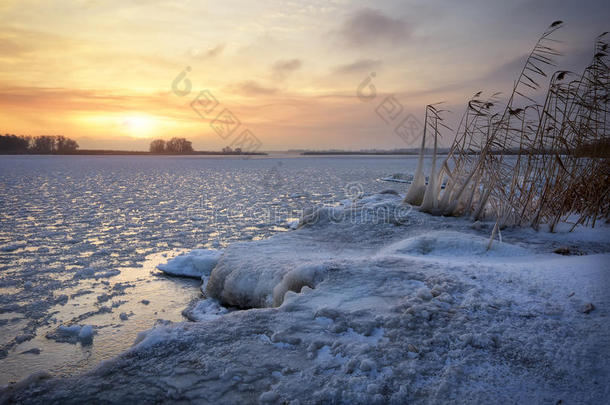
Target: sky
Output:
[{"x": 278, "y": 74}]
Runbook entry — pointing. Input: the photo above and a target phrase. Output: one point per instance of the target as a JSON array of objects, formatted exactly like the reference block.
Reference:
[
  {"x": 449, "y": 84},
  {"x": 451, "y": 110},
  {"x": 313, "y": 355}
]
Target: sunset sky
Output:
[{"x": 101, "y": 72}]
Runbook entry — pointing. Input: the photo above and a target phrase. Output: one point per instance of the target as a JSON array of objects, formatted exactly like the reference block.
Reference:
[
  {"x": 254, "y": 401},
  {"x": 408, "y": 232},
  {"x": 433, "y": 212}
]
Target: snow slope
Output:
[{"x": 371, "y": 302}]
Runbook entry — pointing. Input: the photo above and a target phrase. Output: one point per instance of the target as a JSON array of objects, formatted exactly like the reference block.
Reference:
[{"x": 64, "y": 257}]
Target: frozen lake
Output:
[{"x": 80, "y": 237}]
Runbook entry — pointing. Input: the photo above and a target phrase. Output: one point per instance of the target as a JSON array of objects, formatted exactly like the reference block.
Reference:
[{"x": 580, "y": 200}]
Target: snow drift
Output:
[{"x": 453, "y": 244}]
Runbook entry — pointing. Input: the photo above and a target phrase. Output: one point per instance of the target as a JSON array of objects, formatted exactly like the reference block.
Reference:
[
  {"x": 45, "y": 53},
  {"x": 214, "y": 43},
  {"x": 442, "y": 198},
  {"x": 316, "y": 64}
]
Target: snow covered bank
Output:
[
  {"x": 249, "y": 272},
  {"x": 368, "y": 304}
]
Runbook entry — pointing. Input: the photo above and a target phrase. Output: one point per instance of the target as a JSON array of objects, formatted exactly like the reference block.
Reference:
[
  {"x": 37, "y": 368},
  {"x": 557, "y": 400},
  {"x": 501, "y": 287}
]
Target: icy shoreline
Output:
[{"x": 371, "y": 302}]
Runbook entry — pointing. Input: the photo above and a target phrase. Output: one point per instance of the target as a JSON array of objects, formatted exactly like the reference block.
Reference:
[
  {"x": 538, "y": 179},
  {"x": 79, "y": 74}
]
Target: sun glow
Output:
[{"x": 139, "y": 126}]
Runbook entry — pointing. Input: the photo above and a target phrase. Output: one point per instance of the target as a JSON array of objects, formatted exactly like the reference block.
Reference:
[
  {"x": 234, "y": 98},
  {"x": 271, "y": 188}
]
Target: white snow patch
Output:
[
  {"x": 196, "y": 263},
  {"x": 206, "y": 310},
  {"x": 158, "y": 335},
  {"x": 452, "y": 244}
]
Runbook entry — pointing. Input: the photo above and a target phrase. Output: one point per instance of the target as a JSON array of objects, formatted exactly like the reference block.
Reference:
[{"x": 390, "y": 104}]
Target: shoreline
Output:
[
  {"x": 87, "y": 152},
  {"x": 384, "y": 306}
]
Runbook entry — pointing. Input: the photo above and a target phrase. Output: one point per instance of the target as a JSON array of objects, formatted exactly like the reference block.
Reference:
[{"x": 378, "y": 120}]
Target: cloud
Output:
[
  {"x": 282, "y": 68},
  {"x": 17, "y": 42},
  {"x": 57, "y": 101},
  {"x": 207, "y": 54},
  {"x": 368, "y": 26},
  {"x": 252, "y": 88},
  {"x": 10, "y": 47},
  {"x": 359, "y": 66},
  {"x": 506, "y": 72},
  {"x": 574, "y": 60}
]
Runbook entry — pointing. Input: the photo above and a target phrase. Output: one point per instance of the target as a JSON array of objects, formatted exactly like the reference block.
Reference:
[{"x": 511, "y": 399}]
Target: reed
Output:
[{"x": 552, "y": 174}]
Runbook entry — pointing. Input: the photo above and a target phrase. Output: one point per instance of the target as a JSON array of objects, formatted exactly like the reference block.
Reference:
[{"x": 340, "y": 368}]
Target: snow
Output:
[
  {"x": 296, "y": 279},
  {"x": 196, "y": 263},
  {"x": 373, "y": 302},
  {"x": 452, "y": 244},
  {"x": 205, "y": 310},
  {"x": 366, "y": 302}
]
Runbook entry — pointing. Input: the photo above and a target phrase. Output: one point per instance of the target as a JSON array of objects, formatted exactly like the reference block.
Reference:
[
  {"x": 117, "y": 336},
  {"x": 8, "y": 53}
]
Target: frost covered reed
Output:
[{"x": 540, "y": 158}]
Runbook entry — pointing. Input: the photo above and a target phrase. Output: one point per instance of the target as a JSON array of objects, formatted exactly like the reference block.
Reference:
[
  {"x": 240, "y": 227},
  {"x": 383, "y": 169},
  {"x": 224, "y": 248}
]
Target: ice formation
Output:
[
  {"x": 73, "y": 334},
  {"x": 368, "y": 303},
  {"x": 196, "y": 263}
]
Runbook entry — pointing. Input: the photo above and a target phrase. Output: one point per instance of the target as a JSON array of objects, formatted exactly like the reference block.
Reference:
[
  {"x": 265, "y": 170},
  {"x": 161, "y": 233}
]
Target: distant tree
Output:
[
  {"x": 14, "y": 143},
  {"x": 70, "y": 145},
  {"x": 43, "y": 144},
  {"x": 59, "y": 142},
  {"x": 157, "y": 146},
  {"x": 178, "y": 145},
  {"x": 65, "y": 145},
  {"x": 227, "y": 149}
]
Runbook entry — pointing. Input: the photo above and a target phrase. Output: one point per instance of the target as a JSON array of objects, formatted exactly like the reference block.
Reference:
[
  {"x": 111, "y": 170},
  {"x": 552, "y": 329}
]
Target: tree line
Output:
[
  {"x": 43, "y": 144},
  {"x": 174, "y": 145}
]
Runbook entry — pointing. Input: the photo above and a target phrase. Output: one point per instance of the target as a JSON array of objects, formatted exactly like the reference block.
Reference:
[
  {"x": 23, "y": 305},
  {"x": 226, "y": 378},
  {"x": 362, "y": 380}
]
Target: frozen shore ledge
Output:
[{"x": 372, "y": 302}]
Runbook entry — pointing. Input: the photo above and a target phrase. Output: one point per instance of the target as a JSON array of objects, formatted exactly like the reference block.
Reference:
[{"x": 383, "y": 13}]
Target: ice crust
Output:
[
  {"x": 355, "y": 307},
  {"x": 76, "y": 223}
]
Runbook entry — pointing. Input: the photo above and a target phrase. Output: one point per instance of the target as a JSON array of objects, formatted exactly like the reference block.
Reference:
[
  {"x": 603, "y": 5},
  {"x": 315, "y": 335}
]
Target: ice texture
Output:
[
  {"x": 196, "y": 263},
  {"x": 347, "y": 309},
  {"x": 205, "y": 310},
  {"x": 74, "y": 228}
]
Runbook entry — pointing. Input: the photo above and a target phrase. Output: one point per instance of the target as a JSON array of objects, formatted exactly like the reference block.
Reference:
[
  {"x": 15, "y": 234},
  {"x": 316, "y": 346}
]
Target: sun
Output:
[{"x": 139, "y": 126}]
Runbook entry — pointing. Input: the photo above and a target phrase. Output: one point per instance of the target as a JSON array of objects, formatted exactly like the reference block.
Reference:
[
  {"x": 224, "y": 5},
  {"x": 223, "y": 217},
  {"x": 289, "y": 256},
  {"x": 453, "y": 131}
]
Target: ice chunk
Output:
[
  {"x": 205, "y": 310},
  {"x": 196, "y": 263},
  {"x": 85, "y": 335},
  {"x": 245, "y": 277},
  {"x": 73, "y": 334},
  {"x": 295, "y": 280}
]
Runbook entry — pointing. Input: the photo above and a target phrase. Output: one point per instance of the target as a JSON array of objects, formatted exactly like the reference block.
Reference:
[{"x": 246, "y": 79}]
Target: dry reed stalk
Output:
[{"x": 556, "y": 173}]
